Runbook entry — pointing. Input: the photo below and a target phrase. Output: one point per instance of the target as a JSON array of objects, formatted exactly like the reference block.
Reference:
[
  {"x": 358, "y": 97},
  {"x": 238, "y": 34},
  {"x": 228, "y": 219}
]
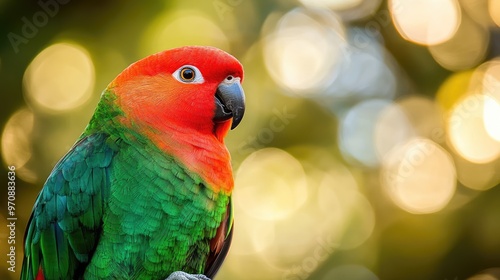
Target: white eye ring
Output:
[{"x": 188, "y": 74}]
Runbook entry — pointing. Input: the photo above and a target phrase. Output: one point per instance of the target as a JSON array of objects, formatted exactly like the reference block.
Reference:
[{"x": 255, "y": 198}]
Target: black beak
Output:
[{"x": 229, "y": 102}]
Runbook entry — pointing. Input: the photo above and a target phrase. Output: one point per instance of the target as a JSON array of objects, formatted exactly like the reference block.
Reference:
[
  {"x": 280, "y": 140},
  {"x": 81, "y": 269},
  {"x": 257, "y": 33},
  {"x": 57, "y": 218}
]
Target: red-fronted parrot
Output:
[{"x": 146, "y": 189}]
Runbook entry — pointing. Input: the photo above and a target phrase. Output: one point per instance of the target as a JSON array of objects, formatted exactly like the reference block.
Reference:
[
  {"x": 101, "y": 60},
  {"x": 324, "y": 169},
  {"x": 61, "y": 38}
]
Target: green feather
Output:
[{"x": 49, "y": 244}]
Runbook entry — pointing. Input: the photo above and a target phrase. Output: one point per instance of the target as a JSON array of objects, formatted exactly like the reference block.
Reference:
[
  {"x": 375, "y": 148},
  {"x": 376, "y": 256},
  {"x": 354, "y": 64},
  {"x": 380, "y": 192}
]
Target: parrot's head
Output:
[{"x": 194, "y": 88}]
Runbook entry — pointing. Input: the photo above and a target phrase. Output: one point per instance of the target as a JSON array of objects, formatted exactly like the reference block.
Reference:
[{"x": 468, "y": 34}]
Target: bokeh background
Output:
[{"x": 370, "y": 147}]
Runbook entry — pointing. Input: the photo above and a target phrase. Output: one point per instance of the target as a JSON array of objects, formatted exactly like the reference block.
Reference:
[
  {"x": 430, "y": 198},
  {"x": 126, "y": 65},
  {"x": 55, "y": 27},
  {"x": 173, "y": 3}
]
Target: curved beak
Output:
[{"x": 229, "y": 102}]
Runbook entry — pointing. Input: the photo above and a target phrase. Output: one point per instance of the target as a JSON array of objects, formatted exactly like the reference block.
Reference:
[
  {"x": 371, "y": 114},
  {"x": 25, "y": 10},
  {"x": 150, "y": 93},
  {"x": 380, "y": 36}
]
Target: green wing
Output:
[
  {"x": 219, "y": 245},
  {"x": 66, "y": 222}
]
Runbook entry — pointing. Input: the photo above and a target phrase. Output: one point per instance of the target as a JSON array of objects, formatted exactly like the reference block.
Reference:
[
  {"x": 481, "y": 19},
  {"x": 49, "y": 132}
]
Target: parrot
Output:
[{"x": 145, "y": 191}]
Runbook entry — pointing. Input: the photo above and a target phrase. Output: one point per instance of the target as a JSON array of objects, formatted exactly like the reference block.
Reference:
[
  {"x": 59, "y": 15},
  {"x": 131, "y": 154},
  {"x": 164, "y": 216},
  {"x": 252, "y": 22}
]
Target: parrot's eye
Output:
[{"x": 188, "y": 74}]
